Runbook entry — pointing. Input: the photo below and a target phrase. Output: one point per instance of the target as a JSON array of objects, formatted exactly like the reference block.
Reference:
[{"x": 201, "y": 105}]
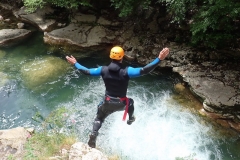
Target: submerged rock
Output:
[
  {"x": 43, "y": 70},
  {"x": 2, "y": 54},
  {"x": 3, "y": 79}
]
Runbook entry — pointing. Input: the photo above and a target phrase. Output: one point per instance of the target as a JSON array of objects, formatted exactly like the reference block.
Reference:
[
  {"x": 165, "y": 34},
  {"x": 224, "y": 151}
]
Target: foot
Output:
[
  {"x": 92, "y": 141},
  {"x": 131, "y": 120}
]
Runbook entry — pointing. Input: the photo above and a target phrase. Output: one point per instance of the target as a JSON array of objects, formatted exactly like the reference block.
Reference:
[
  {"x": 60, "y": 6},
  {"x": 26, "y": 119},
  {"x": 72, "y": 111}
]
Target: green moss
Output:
[
  {"x": 2, "y": 54},
  {"x": 49, "y": 140},
  {"x": 43, "y": 70},
  {"x": 3, "y": 79}
]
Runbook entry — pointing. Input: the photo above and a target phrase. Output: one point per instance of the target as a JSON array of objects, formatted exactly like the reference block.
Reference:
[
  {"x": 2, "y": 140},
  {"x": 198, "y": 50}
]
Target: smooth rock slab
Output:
[{"x": 10, "y": 37}]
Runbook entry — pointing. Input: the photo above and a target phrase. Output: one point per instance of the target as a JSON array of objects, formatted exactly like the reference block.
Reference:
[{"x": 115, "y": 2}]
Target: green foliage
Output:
[
  {"x": 32, "y": 5},
  {"x": 213, "y": 21},
  {"x": 43, "y": 145},
  {"x": 70, "y": 4},
  {"x": 127, "y": 7},
  {"x": 179, "y": 8},
  {"x": 11, "y": 157},
  {"x": 50, "y": 140},
  {"x": 29, "y": 151}
]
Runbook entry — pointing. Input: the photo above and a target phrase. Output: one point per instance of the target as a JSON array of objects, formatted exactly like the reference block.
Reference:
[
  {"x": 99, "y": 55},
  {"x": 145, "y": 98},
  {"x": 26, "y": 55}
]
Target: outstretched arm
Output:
[
  {"x": 136, "y": 72},
  {"x": 93, "y": 71}
]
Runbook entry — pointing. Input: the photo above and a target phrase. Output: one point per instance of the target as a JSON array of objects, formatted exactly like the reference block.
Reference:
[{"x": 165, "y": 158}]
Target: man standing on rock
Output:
[{"x": 115, "y": 77}]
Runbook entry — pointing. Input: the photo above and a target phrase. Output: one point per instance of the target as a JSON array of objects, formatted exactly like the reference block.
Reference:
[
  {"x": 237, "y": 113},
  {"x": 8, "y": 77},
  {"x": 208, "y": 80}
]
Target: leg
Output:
[
  {"x": 101, "y": 115},
  {"x": 97, "y": 124},
  {"x": 130, "y": 112},
  {"x": 130, "y": 108}
]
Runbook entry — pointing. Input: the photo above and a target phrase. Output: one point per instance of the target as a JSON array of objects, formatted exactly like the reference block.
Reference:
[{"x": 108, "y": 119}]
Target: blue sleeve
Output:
[
  {"x": 91, "y": 71},
  {"x": 133, "y": 72},
  {"x": 136, "y": 72}
]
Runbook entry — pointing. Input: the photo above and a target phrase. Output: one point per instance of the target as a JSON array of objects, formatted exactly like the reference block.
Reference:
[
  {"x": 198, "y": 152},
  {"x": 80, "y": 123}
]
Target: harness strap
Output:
[{"x": 126, "y": 108}]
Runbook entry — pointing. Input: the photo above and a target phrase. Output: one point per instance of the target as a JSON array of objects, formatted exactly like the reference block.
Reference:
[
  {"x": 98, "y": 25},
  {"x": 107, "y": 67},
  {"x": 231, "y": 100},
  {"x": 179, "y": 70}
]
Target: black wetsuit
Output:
[{"x": 115, "y": 77}]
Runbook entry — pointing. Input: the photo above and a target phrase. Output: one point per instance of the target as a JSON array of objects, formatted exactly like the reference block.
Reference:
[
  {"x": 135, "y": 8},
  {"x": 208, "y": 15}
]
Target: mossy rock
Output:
[
  {"x": 2, "y": 54},
  {"x": 3, "y": 79},
  {"x": 43, "y": 70}
]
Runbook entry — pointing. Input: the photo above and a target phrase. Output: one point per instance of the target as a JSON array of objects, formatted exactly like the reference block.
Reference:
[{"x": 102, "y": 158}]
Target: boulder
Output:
[
  {"x": 38, "y": 18},
  {"x": 82, "y": 151}
]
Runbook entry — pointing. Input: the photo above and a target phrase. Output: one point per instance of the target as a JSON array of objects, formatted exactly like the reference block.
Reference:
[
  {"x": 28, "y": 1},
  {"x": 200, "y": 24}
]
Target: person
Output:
[{"x": 116, "y": 77}]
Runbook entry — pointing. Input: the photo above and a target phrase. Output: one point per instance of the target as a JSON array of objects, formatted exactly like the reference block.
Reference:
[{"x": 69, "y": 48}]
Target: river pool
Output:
[{"x": 35, "y": 79}]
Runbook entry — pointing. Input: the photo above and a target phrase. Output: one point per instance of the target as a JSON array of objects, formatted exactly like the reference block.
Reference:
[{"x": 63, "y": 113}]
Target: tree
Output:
[{"x": 214, "y": 22}]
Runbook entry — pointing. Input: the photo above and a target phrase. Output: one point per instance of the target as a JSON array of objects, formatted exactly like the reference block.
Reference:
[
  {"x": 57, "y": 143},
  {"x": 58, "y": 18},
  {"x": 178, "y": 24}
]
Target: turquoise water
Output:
[{"x": 35, "y": 79}]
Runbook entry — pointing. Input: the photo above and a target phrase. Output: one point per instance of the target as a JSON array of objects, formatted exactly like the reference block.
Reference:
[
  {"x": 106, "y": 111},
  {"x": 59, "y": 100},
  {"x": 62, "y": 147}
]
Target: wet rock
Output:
[{"x": 10, "y": 37}]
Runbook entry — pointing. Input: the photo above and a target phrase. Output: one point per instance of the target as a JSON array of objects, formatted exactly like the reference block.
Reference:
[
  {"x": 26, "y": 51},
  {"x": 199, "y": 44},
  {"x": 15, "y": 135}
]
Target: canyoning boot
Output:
[
  {"x": 131, "y": 120},
  {"x": 92, "y": 140}
]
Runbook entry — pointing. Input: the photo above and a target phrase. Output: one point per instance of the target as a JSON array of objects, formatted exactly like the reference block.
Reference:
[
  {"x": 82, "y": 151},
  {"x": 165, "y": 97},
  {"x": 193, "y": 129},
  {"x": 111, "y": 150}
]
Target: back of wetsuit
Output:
[{"x": 116, "y": 79}]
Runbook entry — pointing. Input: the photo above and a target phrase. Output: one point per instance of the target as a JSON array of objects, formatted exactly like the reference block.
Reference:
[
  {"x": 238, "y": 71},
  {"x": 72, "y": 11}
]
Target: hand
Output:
[
  {"x": 71, "y": 59},
  {"x": 163, "y": 54}
]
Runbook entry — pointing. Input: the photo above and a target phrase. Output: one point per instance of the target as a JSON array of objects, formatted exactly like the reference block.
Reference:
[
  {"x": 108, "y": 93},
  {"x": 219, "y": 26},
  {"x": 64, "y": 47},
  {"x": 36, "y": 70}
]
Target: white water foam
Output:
[{"x": 162, "y": 130}]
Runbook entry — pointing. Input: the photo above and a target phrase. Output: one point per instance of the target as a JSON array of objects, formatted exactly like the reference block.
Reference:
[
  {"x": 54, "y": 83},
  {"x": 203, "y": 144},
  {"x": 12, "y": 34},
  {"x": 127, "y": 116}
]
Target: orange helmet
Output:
[{"x": 116, "y": 53}]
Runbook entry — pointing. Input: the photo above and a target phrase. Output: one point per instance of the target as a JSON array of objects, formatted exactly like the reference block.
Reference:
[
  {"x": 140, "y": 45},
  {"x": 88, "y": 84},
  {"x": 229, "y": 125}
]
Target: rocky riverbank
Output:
[{"x": 12, "y": 144}]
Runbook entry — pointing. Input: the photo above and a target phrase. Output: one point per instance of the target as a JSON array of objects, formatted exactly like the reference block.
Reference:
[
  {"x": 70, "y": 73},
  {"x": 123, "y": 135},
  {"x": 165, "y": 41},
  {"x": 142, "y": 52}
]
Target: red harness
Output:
[{"x": 126, "y": 108}]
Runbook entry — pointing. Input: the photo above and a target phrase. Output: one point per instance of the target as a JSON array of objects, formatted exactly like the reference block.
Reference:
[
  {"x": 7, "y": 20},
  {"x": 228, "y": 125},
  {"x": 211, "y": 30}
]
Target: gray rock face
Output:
[
  {"x": 85, "y": 32},
  {"x": 217, "y": 85},
  {"x": 9, "y": 37},
  {"x": 211, "y": 86}
]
